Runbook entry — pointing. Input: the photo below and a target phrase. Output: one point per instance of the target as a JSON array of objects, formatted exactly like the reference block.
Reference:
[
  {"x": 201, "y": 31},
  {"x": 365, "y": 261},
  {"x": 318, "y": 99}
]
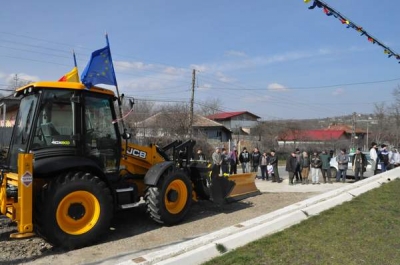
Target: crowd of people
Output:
[
  {"x": 302, "y": 167},
  {"x": 383, "y": 157},
  {"x": 227, "y": 163}
]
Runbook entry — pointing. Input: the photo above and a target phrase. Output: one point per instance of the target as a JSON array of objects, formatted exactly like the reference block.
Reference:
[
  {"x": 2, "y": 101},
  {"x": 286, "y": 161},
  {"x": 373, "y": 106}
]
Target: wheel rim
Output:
[
  {"x": 176, "y": 196},
  {"x": 78, "y": 212}
]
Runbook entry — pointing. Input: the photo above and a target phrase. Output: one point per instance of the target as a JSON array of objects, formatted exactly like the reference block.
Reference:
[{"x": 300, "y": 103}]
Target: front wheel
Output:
[
  {"x": 169, "y": 201},
  {"x": 74, "y": 210}
]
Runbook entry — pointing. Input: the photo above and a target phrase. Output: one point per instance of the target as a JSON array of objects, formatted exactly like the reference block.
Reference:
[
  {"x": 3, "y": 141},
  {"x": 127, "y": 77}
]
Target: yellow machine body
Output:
[{"x": 170, "y": 182}]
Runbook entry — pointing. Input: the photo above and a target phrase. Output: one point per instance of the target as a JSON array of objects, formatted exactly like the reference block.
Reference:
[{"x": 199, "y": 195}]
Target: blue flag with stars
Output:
[{"x": 100, "y": 69}]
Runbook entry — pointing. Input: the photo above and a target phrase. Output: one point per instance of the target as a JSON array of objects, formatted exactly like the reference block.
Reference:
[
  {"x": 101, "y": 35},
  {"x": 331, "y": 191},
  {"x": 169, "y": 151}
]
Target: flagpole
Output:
[
  {"x": 116, "y": 87},
  {"x": 77, "y": 72},
  {"x": 73, "y": 53}
]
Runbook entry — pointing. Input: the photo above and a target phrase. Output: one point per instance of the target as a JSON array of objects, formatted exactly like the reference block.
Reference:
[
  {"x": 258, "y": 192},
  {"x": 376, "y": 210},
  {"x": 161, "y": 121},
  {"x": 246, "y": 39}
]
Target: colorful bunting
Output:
[{"x": 329, "y": 11}]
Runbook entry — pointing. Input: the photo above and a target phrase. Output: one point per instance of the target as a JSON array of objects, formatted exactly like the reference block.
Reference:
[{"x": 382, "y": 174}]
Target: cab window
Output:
[{"x": 100, "y": 132}]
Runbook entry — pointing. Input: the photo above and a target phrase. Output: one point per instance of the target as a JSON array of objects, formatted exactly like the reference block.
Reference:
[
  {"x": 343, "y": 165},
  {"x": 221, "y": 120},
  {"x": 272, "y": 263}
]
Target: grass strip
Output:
[{"x": 365, "y": 230}]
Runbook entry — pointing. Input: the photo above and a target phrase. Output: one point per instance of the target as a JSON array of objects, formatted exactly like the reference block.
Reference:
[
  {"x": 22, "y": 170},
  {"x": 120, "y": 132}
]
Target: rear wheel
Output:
[
  {"x": 75, "y": 209},
  {"x": 169, "y": 201}
]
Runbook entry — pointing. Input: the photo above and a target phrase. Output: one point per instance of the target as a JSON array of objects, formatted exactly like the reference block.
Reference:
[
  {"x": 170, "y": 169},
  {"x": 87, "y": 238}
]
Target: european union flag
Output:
[{"x": 100, "y": 69}]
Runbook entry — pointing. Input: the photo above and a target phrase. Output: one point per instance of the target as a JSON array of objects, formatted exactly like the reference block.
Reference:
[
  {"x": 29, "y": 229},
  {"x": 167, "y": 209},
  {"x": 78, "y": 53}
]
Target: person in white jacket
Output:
[
  {"x": 395, "y": 159},
  {"x": 374, "y": 157}
]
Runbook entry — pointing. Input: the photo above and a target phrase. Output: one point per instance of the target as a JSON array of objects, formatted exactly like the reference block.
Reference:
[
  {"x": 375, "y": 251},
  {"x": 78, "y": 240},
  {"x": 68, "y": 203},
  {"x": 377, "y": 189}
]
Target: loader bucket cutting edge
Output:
[{"x": 245, "y": 187}]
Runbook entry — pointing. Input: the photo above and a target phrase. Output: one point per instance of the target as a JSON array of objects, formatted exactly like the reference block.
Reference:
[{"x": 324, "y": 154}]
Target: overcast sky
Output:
[{"x": 276, "y": 59}]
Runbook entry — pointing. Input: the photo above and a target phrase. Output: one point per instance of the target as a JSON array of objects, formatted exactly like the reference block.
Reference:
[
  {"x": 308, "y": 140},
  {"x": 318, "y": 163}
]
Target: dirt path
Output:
[{"x": 133, "y": 232}]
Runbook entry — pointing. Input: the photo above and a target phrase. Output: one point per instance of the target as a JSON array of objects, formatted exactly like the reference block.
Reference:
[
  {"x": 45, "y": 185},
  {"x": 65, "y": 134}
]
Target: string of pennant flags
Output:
[{"x": 329, "y": 11}]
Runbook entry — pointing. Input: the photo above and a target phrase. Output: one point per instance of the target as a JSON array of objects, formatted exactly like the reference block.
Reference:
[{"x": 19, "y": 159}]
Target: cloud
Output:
[
  {"x": 128, "y": 66},
  {"x": 257, "y": 99},
  {"x": 337, "y": 92},
  {"x": 156, "y": 85},
  {"x": 205, "y": 87},
  {"x": 224, "y": 78},
  {"x": 22, "y": 76},
  {"x": 244, "y": 62},
  {"x": 174, "y": 70},
  {"x": 324, "y": 51},
  {"x": 158, "y": 77},
  {"x": 233, "y": 53},
  {"x": 277, "y": 87},
  {"x": 150, "y": 78}
]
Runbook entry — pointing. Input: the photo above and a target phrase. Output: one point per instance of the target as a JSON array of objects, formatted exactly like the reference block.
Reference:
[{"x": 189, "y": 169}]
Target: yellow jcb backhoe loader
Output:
[{"x": 69, "y": 168}]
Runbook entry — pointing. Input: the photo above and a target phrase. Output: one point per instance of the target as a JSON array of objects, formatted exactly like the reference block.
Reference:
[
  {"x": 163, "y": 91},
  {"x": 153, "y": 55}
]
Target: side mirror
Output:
[{"x": 126, "y": 136}]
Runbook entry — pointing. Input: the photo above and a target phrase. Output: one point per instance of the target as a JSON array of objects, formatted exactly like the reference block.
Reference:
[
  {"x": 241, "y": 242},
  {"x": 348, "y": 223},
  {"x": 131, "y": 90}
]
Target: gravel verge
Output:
[{"x": 133, "y": 232}]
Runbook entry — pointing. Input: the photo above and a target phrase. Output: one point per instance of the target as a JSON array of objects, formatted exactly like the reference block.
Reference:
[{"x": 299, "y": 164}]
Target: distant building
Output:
[
  {"x": 210, "y": 129},
  {"x": 307, "y": 137},
  {"x": 236, "y": 121},
  {"x": 9, "y": 108},
  {"x": 360, "y": 133},
  {"x": 176, "y": 125},
  {"x": 331, "y": 139},
  {"x": 336, "y": 136}
]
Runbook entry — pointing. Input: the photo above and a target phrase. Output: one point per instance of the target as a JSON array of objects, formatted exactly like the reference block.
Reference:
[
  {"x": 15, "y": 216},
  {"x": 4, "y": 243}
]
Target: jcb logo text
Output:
[{"x": 136, "y": 152}]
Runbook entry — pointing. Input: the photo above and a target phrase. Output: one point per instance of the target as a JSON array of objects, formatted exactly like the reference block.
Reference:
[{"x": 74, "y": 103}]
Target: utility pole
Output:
[
  {"x": 191, "y": 104},
  {"x": 353, "y": 132},
  {"x": 367, "y": 145},
  {"x": 16, "y": 81}
]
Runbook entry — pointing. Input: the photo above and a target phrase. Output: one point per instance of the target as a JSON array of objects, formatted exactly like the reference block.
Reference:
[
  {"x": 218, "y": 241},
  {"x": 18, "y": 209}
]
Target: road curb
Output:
[{"x": 206, "y": 247}]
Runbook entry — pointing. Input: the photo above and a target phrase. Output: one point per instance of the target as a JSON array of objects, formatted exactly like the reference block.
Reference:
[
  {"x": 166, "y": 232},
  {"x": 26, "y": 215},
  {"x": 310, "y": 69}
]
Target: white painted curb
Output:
[{"x": 203, "y": 248}]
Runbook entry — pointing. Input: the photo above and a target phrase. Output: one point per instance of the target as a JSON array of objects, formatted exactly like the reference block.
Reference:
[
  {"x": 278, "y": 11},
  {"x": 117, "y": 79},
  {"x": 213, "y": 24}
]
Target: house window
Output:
[{"x": 219, "y": 133}]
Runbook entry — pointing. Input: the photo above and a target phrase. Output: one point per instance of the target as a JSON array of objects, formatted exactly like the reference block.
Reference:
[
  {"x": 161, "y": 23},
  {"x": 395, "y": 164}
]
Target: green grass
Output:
[{"x": 365, "y": 230}]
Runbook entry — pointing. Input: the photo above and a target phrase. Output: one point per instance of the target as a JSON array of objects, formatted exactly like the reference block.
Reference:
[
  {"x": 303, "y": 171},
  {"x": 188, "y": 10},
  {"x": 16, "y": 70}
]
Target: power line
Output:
[
  {"x": 25, "y": 50},
  {"x": 312, "y": 87},
  {"x": 33, "y": 60}
]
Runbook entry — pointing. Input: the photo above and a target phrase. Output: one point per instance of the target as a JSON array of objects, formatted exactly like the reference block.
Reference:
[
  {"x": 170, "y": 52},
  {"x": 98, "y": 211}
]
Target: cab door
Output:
[{"x": 101, "y": 133}]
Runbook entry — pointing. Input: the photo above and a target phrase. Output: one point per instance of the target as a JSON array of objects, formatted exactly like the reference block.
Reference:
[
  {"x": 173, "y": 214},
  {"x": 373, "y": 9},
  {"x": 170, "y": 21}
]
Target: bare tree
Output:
[
  {"x": 142, "y": 110},
  {"x": 170, "y": 121},
  {"x": 394, "y": 112},
  {"x": 210, "y": 106},
  {"x": 381, "y": 132}
]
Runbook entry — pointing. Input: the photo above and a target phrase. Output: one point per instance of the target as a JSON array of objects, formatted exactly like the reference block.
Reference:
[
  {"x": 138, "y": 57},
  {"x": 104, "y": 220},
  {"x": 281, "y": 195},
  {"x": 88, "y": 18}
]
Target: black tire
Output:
[
  {"x": 73, "y": 210},
  {"x": 200, "y": 176},
  {"x": 169, "y": 201},
  {"x": 202, "y": 188}
]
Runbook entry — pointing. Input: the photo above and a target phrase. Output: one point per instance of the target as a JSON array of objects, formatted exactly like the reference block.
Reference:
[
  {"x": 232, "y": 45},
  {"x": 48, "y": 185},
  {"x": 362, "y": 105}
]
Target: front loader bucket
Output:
[
  {"x": 220, "y": 189},
  {"x": 245, "y": 187},
  {"x": 233, "y": 188}
]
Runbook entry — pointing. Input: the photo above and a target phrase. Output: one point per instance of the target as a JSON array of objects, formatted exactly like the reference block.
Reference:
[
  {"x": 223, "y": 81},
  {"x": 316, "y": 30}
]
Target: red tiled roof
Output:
[
  {"x": 227, "y": 115},
  {"x": 343, "y": 127},
  {"x": 312, "y": 135}
]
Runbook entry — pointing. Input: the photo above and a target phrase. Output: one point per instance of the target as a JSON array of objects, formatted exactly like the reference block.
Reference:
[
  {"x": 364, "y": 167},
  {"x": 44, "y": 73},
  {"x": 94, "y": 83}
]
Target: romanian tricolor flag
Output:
[{"x": 71, "y": 76}]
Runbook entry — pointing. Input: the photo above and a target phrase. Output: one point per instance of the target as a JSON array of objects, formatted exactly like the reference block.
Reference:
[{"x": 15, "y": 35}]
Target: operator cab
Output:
[{"x": 65, "y": 123}]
